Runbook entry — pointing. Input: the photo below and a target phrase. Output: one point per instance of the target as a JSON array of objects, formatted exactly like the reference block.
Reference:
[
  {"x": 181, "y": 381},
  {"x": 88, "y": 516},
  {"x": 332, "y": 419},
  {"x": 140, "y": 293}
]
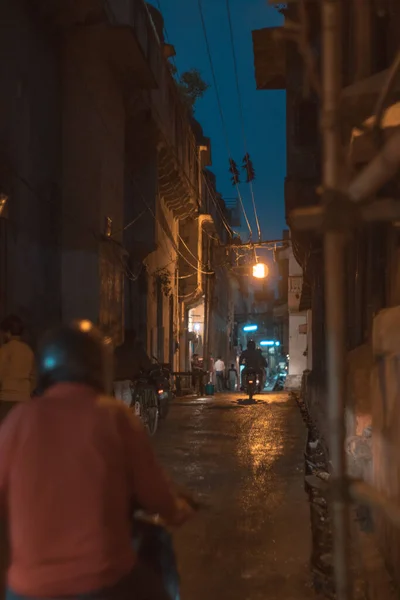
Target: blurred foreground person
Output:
[
  {"x": 17, "y": 366},
  {"x": 72, "y": 463}
]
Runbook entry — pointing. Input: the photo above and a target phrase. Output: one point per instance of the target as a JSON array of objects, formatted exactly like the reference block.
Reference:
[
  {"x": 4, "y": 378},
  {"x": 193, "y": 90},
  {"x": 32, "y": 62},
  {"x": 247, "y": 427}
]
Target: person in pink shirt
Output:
[{"x": 72, "y": 462}]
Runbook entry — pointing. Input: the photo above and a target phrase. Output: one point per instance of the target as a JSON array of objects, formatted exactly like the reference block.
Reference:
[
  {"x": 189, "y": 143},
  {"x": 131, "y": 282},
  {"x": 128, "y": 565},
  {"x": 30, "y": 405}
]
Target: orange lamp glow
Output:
[{"x": 260, "y": 271}]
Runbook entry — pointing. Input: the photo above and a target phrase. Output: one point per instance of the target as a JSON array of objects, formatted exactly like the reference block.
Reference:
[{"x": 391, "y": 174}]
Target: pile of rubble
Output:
[{"x": 317, "y": 475}]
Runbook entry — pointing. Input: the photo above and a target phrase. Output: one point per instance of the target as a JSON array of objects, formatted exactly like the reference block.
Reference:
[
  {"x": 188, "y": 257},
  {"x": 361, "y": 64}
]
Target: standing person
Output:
[
  {"x": 197, "y": 375},
  {"x": 211, "y": 368},
  {"x": 91, "y": 459},
  {"x": 17, "y": 366},
  {"x": 232, "y": 378},
  {"x": 219, "y": 369}
]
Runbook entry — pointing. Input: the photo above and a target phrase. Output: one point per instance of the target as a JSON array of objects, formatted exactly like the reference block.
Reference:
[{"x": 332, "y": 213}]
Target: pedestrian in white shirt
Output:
[
  {"x": 17, "y": 366},
  {"x": 219, "y": 368}
]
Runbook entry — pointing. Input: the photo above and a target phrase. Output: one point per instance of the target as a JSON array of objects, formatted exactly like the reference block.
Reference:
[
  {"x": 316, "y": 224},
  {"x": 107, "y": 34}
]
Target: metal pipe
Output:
[
  {"x": 384, "y": 96},
  {"x": 378, "y": 172},
  {"x": 334, "y": 293}
]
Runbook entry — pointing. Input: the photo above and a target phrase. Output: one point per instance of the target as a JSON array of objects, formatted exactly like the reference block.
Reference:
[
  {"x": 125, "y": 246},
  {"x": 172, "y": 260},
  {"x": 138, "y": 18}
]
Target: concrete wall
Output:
[
  {"x": 297, "y": 348},
  {"x": 93, "y": 174},
  {"x": 164, "y": 259},
  {"x": 221, "y": 317},
  {"x": 298, "y": 341},
  {"x": 30, "y": 130}
]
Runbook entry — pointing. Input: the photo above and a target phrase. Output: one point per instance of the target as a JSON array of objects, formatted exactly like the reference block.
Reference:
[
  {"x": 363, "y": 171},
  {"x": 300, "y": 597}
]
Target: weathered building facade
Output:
[
  {"x": 296, "y": 322},
  {"x": 370, "y": 43},
  {"x": 109, "y": 214}
]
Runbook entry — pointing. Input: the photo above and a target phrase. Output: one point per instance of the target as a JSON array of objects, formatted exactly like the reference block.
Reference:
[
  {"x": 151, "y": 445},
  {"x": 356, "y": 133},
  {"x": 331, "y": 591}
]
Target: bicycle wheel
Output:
[
  {"x": 151, "y": 411},
  {"x": 136, "y": 404},
  {"x": 146, "y": 403}
]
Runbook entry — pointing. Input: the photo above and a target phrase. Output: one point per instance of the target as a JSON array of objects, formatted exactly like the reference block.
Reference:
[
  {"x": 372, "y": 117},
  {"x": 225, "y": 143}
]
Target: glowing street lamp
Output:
[{"x": 260, "y": 271}]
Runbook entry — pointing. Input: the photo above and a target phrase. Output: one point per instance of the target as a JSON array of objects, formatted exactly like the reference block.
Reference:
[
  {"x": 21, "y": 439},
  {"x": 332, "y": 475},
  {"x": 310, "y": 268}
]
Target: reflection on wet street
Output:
[{"x": 245, "y": 461}]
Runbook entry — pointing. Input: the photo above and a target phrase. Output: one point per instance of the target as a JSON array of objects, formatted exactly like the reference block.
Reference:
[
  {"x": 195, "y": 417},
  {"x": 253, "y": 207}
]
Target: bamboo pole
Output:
[{"x": 334, "y": 294}]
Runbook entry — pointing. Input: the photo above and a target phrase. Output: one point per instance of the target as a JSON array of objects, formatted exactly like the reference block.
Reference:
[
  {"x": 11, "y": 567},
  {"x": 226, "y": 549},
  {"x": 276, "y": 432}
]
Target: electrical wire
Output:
[
  {"x": 197, "y": 159},
  {"x": 166, "y": 34},
  {"x": 127, "y": 270},
  {"x": 221, "y": 112},
  {"x": 241, "y": 112},
  {"x": 29, "y": 186},
  {"x": 191, "y": 253},
  {"x": 201, "y": 170},
  {"x": 194, "y": 293},
  {"x": 40, "y": 197},
  {"x": 216, "y": 204},
  {"x": 169, "y": 234}
]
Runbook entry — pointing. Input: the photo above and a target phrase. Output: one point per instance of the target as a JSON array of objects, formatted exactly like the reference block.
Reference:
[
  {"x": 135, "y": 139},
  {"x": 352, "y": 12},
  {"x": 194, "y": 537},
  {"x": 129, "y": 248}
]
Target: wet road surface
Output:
[{"x": 246, "y": 462}]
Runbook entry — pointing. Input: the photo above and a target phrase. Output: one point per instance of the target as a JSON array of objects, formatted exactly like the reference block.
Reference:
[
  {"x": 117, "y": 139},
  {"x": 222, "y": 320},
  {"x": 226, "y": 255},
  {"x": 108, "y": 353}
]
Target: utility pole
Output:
[{"x": 334, "y": 246}]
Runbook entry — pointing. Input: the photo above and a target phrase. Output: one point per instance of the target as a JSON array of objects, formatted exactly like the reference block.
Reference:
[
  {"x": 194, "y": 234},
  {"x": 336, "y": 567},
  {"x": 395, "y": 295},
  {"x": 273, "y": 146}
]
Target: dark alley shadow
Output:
[
  {"x": 248, "y": 402},
  {"x": 223, "y": 407}
]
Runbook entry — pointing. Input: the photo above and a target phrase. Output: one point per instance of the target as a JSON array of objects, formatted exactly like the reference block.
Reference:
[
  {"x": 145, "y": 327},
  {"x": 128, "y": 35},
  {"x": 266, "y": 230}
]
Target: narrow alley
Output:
[{"x": 245, "y": 462}]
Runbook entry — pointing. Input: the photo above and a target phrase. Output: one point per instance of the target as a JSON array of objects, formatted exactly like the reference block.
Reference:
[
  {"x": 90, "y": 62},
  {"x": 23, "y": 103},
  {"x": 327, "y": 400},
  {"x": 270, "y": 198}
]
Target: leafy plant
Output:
[
  {"x": 191, "y": 86},
  {"x": 165, "y": 279}
]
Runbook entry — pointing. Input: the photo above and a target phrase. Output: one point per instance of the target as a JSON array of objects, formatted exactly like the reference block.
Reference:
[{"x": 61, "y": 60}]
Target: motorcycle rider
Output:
[
  {"x": 72, "y": 462},
  {"x": 252, "y": 359}
]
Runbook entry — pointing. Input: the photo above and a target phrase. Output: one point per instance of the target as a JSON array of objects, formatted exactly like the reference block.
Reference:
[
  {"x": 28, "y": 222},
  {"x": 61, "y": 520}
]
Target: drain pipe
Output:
[
  {"x": 334, "y": 294},
  {"x": 378, "y": 172}
]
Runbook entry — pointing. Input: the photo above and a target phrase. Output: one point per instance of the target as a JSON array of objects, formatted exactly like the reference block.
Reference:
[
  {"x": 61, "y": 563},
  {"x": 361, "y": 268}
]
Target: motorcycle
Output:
[
  {"x": 154, "y": 546},
  {"x": 160, "y": 378},
  {"x": 252, "y": 382},
  {"x": 280, "y": 380}
]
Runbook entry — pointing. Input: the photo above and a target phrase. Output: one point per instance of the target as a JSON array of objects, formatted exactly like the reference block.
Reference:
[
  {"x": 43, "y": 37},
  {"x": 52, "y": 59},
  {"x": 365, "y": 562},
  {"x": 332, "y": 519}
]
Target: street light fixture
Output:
[{"x": 260, "y": 271}]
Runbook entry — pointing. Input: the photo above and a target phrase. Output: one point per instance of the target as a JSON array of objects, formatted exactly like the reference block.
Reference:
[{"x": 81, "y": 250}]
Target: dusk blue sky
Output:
[{"x": 264, "y": 111}]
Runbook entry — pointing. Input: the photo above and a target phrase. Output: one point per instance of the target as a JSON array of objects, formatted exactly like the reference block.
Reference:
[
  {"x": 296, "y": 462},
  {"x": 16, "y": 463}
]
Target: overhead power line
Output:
[
  {"x": 92, "y": 97},
  {"x": 221, "y": 112},
  {"x": 212, "y": 194},
  {"x": 241, "y": 112}
]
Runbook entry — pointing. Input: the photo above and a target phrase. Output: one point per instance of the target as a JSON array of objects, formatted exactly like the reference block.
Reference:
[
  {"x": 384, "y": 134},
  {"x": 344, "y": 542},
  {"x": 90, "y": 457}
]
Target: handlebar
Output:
[{"x": 156, "y": 519}]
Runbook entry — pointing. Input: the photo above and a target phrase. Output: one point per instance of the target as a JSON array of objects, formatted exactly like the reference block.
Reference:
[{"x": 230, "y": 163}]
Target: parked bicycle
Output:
[
  {"x": 145, "y": 403},
  {"x": 141, "y": 397}
]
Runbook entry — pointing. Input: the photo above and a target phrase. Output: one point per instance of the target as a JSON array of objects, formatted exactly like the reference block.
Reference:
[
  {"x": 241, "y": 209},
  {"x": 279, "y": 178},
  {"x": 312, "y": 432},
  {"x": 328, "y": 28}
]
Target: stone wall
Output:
[
  {"x": 359, "y": 411},
  {"x": 385, "y": 390}
]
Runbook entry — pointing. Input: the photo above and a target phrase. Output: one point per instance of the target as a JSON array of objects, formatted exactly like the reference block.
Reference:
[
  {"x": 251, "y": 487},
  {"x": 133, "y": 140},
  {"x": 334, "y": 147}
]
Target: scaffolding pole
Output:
[{"x": 334, "y": 293}]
